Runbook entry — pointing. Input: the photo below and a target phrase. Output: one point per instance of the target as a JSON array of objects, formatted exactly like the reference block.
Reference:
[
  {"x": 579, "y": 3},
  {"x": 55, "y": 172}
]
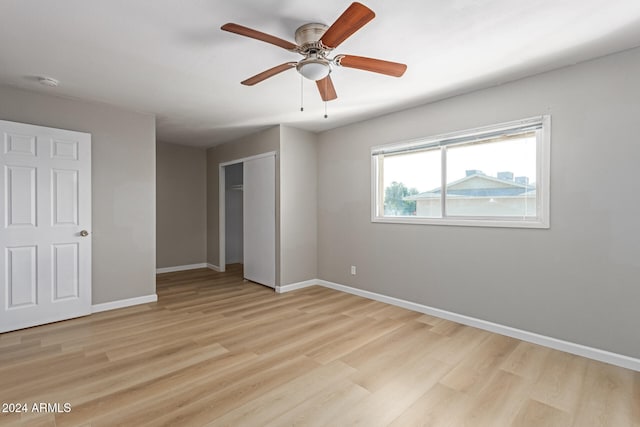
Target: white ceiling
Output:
[{"x": 170, "y": 57}]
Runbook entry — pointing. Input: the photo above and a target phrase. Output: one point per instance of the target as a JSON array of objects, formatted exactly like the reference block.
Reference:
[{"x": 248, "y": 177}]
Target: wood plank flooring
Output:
[{"x": 215, "y": 350}]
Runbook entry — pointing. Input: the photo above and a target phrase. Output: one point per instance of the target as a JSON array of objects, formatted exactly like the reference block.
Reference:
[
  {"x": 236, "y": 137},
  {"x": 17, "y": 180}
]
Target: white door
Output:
[
  {"x": 45, "y": 217},
  {"x": 259, "y": 223}
]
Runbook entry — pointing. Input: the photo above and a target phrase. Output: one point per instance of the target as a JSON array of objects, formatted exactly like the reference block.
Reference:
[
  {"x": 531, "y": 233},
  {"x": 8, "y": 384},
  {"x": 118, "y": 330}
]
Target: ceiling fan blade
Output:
[
  {"x": 258, "y": 35},
  {"x": 268, "y": 73},
  {"x": 326, "y": 89},
  {"x": 389, "y": 68},
  {"x": 351, "y": 20}
]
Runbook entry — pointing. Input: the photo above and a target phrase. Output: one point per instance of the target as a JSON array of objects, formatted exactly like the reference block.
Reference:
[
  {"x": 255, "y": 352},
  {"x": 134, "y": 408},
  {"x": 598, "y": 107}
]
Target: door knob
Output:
[{"x": 84, "y": 233}]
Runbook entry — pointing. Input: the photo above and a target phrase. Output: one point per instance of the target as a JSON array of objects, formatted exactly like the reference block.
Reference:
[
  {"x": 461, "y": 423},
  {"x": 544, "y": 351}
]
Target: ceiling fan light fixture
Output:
[{"x": 314, "y": 68}]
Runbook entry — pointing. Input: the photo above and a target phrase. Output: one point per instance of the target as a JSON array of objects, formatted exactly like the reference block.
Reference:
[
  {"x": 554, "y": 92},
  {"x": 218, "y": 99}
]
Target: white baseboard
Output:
[
  {"x": 554, "y": 343},
  {"x": 180, "y": 268},
  {"x": 96, "y": 308},
  {"x": 294, "y": 286},
  {"x": 213, "y": 267}
]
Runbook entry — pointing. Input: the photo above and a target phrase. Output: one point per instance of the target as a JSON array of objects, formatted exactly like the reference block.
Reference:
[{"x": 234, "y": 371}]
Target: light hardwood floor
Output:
[{"x": 215, "y": 350}]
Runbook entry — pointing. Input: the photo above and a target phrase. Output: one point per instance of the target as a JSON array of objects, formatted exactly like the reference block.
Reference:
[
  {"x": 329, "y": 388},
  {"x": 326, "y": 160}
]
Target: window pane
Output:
[
  {"x": 406, "y": 178},
  {"x": 489, "y": 179}
]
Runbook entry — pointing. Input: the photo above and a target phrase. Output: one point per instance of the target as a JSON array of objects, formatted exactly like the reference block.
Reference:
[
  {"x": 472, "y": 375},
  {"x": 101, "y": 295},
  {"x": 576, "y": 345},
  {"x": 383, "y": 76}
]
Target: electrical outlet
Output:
[{"x": 353, "y": 270}]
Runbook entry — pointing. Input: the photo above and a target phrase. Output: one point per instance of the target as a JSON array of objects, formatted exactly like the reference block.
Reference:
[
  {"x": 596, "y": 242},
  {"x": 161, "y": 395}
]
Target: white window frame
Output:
[{"x": 543, "y": 170}]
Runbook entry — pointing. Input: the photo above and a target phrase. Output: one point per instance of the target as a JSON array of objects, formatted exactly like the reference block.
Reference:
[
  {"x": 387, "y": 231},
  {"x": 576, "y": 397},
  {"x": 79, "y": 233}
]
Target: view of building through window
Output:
[{"x": 492, "y": 177}]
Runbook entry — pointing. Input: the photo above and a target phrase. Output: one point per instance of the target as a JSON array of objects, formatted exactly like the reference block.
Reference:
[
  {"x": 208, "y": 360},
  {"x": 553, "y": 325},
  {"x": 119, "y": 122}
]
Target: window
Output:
[{"x": 491, "y": 176}]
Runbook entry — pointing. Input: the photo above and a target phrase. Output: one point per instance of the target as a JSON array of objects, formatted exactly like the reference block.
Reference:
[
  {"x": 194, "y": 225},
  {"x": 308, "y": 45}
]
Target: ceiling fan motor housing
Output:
[
  {"x": 315, "y": 65},
  {"x": 310, "y": 34}
]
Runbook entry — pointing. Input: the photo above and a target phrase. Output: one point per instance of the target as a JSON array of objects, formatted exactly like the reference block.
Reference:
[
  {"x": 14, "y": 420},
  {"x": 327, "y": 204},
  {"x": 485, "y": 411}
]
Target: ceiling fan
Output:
[{"x": 315, "y": 42}]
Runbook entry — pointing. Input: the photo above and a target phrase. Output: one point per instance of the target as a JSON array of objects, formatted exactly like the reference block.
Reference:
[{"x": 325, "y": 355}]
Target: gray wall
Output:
[
  {"x": 123, "y": 185},
  {"x": 234, "y": 214},
  {"x": 577, "y": 281},
  {"x": 298, "y": 205},
  {"x": 181, "y": 205},
  {"x": 261, "y": 142}
]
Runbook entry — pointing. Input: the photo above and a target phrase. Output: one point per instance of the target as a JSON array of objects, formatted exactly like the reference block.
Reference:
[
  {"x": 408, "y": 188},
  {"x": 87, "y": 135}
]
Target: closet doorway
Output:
[
  {"x": 234, "y": 213},
  {"x": 247, "y": 216}
]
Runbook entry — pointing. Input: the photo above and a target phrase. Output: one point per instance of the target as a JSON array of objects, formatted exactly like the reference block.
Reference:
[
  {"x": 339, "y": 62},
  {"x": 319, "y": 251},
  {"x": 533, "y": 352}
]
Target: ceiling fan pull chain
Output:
[
  {"x": 301, "y": 93},
  {"x": 326, "y": 86}
]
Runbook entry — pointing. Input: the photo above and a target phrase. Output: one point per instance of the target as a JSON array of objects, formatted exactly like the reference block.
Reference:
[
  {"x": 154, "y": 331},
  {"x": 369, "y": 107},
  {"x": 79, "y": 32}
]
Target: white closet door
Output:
[
  {"x": 45, "y": 217},
  {"x": 259, "y": 205}
]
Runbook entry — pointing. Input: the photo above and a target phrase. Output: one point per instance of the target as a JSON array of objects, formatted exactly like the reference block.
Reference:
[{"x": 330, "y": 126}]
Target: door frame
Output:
[{"x": 222, "y": 194}]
